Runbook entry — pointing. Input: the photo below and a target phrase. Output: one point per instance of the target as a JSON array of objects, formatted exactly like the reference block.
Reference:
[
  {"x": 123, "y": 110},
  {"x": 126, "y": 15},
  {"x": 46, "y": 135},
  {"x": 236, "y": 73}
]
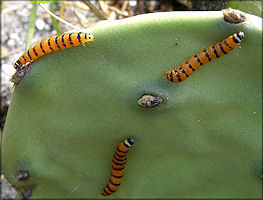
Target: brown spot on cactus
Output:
[
  {"x": 19, "y": 75},
  {"x": 234, "y": 16},
  {"x": 149, "y": 101},
  {"x": 22, "y": 175}
]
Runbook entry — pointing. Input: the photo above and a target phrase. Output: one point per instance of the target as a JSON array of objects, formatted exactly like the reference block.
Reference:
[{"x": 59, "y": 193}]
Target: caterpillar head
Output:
[
  {"x": 86, "y": 37},
  {"x": 129, "y": 141},
  {"x": 166, "y": 74},
  {"x": 239, "y": 36}
]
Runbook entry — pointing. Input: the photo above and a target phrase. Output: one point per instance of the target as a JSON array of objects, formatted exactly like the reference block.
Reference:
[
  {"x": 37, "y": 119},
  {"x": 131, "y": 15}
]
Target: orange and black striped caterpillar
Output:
[
  {"x": 213, "y": 52},
  {"x": 117, "y": 169},
  {"x": 47, "y": 46}
]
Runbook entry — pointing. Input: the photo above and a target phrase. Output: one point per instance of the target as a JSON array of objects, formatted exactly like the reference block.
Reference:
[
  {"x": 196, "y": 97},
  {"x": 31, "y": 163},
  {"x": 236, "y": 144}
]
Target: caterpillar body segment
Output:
[
  {"x": 50, "y": 45},
  {"x": 117, "y": 169},
  {"x": 213, "y": 52}
]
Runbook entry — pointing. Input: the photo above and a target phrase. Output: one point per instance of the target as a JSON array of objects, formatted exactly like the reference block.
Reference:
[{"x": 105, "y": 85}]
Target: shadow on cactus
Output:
[{"x": 200, "y": 138}]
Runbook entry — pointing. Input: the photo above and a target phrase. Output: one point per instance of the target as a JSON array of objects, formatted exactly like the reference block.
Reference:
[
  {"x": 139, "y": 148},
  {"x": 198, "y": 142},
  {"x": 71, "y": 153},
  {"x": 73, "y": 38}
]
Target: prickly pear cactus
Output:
[{"x": 74, "y": 106}]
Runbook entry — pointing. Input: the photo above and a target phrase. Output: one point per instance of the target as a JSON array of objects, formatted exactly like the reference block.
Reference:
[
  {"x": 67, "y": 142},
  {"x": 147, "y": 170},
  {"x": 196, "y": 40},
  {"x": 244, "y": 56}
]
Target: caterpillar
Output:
[
  {"x": 50, "y": 45},
  {"x": 117, "y": 169},
  {"x": 213, "y": 52}
]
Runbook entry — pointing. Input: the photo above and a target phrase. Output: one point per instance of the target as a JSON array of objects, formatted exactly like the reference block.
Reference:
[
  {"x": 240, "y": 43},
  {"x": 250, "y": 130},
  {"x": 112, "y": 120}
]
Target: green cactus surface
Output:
[
  {"x": 254, "y": 7},
  {"x": 69, "y": 113}
]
